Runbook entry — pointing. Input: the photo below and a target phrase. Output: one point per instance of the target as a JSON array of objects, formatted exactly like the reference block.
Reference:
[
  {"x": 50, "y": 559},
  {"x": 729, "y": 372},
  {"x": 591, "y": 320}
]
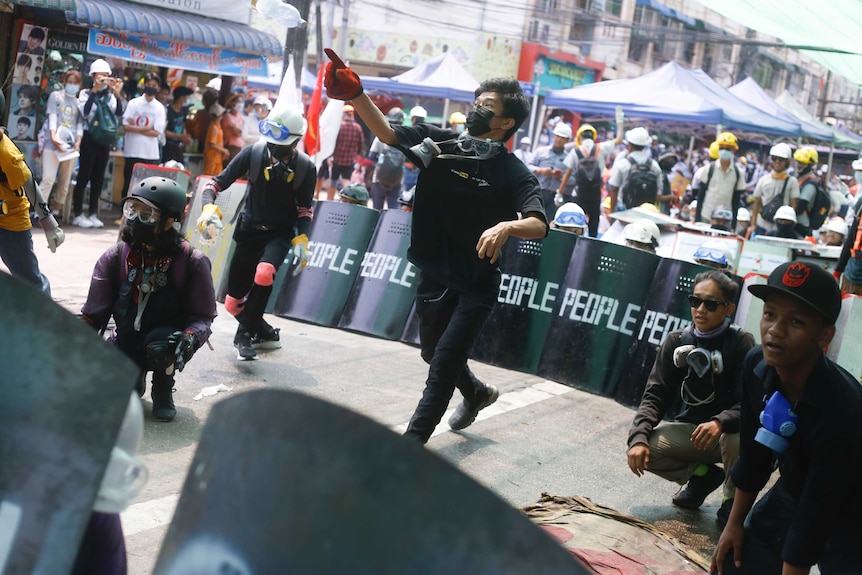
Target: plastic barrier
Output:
[
  {"x": 221, "y": 251},
  {"x": 382, "y": 296},
  {"x": 761, "y": 258},
  {"x": 686, "y": 243},
  {"x": 338, "y": 240},
  {"x": 666, "y": 309},
  {"x": 533, "y": 271},
  {"x": 848, "y": 333},
  {"x": 142, "y": 171},
  {"x": 596, "y": 313}
]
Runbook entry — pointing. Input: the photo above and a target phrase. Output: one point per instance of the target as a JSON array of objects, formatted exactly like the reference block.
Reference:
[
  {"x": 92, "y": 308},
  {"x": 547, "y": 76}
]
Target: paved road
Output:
[{"x": 539, "y": 437}]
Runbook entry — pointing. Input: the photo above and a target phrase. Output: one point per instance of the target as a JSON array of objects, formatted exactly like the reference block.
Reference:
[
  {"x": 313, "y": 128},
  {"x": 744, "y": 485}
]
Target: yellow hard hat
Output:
[
  {"x": 585, "y": 128},
  {"x": 606, "y": 203},
  {"x": 649, "y": 207},
  {"x": 457, "y": 118},
  {"x": 713, "y": 150},
  {"x": 727, "y": 139},
  {"x": 806, "y": 155}
]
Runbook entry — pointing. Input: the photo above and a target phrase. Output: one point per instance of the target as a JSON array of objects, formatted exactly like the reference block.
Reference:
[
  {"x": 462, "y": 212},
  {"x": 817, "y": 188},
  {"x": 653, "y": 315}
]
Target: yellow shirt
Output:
[{"x": 17, "y": 218}]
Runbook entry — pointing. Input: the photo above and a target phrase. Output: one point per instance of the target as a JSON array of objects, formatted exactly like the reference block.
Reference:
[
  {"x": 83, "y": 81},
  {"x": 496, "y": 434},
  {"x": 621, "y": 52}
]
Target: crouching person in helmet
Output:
[
  {"x": 276, "y": 217},
  {"x": 158, "y": 289}
]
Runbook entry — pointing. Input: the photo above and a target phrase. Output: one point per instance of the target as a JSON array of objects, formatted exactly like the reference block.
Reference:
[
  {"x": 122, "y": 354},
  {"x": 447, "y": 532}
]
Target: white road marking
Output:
[{"x": 147, "y": 515}]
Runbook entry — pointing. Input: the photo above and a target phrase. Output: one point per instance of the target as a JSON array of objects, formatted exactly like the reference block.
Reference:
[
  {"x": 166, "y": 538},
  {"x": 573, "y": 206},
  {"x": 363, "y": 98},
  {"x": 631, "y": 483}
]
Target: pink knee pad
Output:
[
  {"x": 265, "y": 274},
  {"x": 233, "y": 305}
]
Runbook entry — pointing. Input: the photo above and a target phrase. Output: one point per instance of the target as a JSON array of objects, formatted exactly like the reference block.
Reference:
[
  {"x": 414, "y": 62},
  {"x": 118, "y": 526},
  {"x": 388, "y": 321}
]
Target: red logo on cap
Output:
[{"x": 796, "y": 275}]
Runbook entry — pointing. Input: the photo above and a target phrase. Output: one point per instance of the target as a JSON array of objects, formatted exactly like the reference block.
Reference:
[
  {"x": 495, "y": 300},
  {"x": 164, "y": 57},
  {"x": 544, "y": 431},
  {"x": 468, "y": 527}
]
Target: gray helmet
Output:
[
  {"x": 164, "y": 194},
  {"x": 355, "y": 193},
  {"x": 395, "y": 116}
]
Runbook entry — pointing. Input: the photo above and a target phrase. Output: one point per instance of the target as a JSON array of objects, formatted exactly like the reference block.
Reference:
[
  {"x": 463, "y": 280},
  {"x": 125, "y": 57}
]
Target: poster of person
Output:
[
  {"x": 25, "y": 99},
  {"x": 33, "y": 40},
  {"x": 28, "y": 69},
  {"x": 32, "y": 156},
  {"x": 22, "y": 128}
]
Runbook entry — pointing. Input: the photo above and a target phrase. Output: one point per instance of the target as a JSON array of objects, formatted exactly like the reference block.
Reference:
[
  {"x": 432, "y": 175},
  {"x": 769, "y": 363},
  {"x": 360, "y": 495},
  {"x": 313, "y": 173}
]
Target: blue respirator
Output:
[{"x": 778, "y": 421}]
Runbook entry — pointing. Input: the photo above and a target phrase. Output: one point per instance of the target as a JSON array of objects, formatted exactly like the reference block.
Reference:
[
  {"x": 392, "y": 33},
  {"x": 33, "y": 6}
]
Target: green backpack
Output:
[{"x": 105, "y": 127}]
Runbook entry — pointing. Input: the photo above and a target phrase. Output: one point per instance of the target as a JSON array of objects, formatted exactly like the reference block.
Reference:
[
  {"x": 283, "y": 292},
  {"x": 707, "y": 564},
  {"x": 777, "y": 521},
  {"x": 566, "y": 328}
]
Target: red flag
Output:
[{"x": 312, "y": 133}]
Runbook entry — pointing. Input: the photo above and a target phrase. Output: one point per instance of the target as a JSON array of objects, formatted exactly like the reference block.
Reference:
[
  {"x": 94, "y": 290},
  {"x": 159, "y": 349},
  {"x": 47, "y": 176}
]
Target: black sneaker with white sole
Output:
[
  {"x": 465, "y": 414},
  {"x": 267, "y": 337},
  {"x": 244, "y": 349}
]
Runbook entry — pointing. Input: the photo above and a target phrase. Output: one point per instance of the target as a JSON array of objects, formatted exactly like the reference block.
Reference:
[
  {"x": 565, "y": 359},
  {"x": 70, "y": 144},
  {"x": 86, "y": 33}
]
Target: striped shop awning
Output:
[
  {"x": 49, "y": 4},
  {"x": 146, "y": 21}
]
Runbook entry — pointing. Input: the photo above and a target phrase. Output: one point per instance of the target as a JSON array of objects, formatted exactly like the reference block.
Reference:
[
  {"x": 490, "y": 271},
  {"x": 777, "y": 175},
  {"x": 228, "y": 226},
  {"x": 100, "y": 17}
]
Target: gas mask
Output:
[
  {"x": 778, "y": 421},
  {"x": 785, "y": 229},
  {"x": 136, "y": 233},
  {"x": 280, "y": 171},
  {"x": 701, "y": 360},
  {"x": 479, "y": 120},
  {"x": 472, "y": 148}
]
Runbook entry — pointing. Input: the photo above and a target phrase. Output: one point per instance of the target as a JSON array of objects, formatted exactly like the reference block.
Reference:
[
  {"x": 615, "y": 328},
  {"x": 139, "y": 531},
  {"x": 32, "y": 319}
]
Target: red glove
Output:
[
  {"x": 341, "y": 82},
  {"x": 837, "y": 276}
]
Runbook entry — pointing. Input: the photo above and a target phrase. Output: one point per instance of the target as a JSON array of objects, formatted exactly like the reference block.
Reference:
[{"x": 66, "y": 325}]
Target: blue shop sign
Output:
[
  {"x": 553, "y": 74},
  {"x": 175, "y": 54}
]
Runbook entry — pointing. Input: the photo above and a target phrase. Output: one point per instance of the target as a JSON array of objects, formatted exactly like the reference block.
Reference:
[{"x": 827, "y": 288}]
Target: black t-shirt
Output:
[
  {"x": 173, "y": 149},
  {"x": 456, "y": 200}
]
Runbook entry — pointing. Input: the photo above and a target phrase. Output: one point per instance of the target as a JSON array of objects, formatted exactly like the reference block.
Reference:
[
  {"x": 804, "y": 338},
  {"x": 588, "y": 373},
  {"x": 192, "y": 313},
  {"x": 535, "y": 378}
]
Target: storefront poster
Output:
[
  {"x": 553, "y": 74},
  {"x": 170, "y": 54}
]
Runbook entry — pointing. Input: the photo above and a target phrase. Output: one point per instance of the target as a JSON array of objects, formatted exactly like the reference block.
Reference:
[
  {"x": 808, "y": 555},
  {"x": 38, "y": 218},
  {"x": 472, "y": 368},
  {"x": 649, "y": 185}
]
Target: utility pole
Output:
[
  {"x": 824, "y": 95},
  {"x": 297, "y": 39},
  {"x": 342, "y": 44}
]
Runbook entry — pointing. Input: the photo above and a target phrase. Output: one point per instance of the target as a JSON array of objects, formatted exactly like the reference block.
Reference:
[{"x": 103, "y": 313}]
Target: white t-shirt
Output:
[
  {"x": 767, "y": 188},
  {"x": 606, "y": 149},
  {"x": 622, "y": 167},
  {"x": 142, "y": 113},
  {"x": 250, "y": 129},
  {"x": 719, "y": 194},
  {"x": 63, "y": 117}
]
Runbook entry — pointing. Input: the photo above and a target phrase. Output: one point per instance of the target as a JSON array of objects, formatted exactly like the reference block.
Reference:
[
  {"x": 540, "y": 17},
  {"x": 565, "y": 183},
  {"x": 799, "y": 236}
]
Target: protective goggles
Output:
[
  {"x": 467, "y": 143},
  {"x": 711, "y": 304},
  {"x": 778, "y": 159},
  {"x": 137, "y": 210},
  {"x": 572, "y": 219},
  {"x": 710, "y": 254},
  {"x": 274, "y": 130}
]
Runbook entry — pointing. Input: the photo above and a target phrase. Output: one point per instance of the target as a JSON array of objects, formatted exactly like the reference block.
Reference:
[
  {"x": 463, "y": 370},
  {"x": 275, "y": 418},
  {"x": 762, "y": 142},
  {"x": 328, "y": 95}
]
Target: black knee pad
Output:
[{"x": 160, "y": 356}]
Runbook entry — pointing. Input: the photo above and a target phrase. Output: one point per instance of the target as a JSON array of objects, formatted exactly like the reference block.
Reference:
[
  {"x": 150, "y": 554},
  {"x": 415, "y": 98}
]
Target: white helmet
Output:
[
  {"x": 785, "y": 213},
  {"x": 100, "y": 65},
  {"x": 563, "y": 130},
  {"x": 570, "y": 215},
  {"x": 283, "y": 126},
  {"x": 713, "y": 254},
  {"x": 125, "y": 475},
  {"x": 643, "y": 232},
  {"x": 418, "y": 112},
  {"x": 837, "y": 225},
  {"x": 743, "y": 215},
  {"x": 781, "y": 150},
  {"x": 638, "y": 137},
  {"x": 215, "y": 84}
]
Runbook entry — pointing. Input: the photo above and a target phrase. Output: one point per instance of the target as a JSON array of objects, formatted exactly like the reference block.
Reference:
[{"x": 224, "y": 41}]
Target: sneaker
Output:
[
  {"x": 82, "y": 221},
  {"x": 267, "y": 337},
  {"x": 723, "y": 513},
  {"x": 97, "y": 223},
  {"x": 162, "y": 395},
  {"x": 244, "y": 349},
  {"x": 466, "y": 413},
  {"x": 698, "y": 487}
]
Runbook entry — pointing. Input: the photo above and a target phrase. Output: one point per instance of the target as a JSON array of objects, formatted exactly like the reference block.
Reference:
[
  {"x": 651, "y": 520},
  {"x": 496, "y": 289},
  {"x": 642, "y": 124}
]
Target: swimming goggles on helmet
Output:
[{"x": 274, "y": 130}]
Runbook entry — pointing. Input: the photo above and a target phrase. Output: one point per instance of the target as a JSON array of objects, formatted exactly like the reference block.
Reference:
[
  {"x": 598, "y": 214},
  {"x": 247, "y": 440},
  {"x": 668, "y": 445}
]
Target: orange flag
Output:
[{"x": 312, "y": 133}]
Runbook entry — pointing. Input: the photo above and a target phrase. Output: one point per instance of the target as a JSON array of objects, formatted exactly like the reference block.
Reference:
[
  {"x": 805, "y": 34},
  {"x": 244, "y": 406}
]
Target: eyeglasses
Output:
[
  {"x": 711, "y": 304},
  {"x": 571, "y": 219},
  {"x": 274, "y": 130},
  {"x": 137, "y": 210}
]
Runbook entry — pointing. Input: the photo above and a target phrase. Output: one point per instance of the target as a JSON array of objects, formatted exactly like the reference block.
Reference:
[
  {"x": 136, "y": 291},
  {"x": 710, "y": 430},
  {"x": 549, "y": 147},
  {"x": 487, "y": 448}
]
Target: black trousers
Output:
[
  {"x": 766, "y": 531},
  {"x": 91, "y": 170},
  {"x": 449, "y": 323},
  {"x": 254, "y": 247},
  {"x": 134, "y": 346}
]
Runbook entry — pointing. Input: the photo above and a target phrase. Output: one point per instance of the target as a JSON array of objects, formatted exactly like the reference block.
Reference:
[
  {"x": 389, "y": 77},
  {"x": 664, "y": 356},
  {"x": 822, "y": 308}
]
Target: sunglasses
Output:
[
  {"x": 274, "y": 130},
  {"x": 135, "y": 210},
  {"x": 711, "y": 304}
]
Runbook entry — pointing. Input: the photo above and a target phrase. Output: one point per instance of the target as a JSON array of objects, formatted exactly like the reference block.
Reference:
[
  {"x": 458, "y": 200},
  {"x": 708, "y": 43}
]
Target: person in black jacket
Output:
[
  {"x": 802, "y": 410},
  {"x": 697, "y": 367}
]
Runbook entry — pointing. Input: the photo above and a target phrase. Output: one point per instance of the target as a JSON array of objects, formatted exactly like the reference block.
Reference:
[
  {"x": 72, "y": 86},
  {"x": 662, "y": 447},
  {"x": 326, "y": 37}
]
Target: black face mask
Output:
[
  {"x": 479, "y": 120},
  {"x": 150, "y": 91},
  {"x": 136, "y": 233},
  {"x": 281, "y": 153},
  {"x": 785, "y": 230}
]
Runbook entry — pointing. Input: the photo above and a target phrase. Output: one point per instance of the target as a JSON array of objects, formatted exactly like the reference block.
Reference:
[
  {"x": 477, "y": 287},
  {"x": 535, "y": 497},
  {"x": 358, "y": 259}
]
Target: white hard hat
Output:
[
  {"x": 263, "y": 101},
  {"x": 101, "y": 66},
  {"x": 743, "y": 215},
  {"x": 526, "y": 140},
  {"x": 781, "y": 150},
  {"x": 837, "y": 225},
  {"x": 570, "y": 215},
  {"x": 693, "y": 205},
  {"x": 215, "y": 84},
  {"x": 642, "y": 231},
  {"x": 638, "y": 137},
  {"x": 857, "y": 165},
  {"x": 283, "y": 126},
  {"x": 785, "y": 213},
  {"x": 713, "y": 252},
  {"x": 418, "y": 112},
  {"x": 563, "y": 130},
  {"x": 125, "y": 475}
]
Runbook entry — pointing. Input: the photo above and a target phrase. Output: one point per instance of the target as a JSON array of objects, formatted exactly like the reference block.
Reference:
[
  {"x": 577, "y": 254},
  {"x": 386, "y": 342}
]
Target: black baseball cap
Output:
[{"x": 811, "y": 284}]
